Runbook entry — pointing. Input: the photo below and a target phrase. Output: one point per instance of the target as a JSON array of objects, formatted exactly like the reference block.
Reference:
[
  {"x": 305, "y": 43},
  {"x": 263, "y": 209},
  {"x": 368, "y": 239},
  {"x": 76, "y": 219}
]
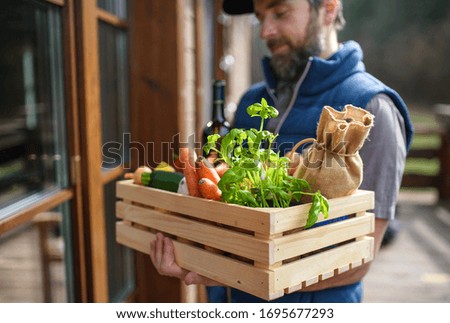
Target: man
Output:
[{"x": 307, "y": 70}]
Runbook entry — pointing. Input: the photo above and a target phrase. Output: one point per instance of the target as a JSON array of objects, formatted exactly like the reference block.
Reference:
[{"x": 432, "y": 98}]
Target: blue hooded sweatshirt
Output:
[{"x": 336, "y": 81}]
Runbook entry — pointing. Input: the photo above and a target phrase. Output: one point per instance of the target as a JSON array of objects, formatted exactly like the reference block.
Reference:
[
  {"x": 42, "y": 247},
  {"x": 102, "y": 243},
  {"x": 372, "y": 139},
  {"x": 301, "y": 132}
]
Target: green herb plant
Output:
[{"x": 258, "y": 176}]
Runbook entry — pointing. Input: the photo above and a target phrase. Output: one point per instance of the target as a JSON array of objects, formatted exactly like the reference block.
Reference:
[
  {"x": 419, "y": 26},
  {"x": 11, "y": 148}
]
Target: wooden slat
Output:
[
  {"x": 91, "y": 156},
  {"x": 425, "y": 129},
  {"x": 26, "y": 214},
  {"x": 308, "y": 268},
  {"x": 111, "y": 19},
  {"x": 423, "y": 153},
  {"x": 317, "y": 238},
  {"x": 222, "y": 269},
  {"x": 111, "y": 174},
  {"x": 60, "y": 3},
  {"x": 234, "y": 215},
  {"x": 416, "y": 180},
  {"x": 265, "y": 221},
  {"x": 234, "y": 242},
  {"x": 296, "y": 216},
  {"x": 263, "y": 251}
]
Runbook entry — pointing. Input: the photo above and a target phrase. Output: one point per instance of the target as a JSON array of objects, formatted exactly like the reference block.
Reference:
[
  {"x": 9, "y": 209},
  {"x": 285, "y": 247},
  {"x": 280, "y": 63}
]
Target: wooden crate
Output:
[{"x": 262, "y": 251}]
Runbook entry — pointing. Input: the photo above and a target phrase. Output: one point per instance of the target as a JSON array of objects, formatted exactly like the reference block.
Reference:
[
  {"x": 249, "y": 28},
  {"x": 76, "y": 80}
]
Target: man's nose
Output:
[{"x": 268, "y": 29}]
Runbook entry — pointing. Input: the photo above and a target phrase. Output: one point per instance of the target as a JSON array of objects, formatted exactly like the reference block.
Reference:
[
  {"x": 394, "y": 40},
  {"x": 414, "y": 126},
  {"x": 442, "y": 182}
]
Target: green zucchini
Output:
[{"x": 163, "y": 180}]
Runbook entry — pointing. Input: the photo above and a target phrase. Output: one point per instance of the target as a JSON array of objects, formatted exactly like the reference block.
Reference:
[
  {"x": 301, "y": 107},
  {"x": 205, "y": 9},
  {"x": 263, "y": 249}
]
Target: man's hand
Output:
[
  {"x": 163, "y": 257},
  {"x": 162, "y": 254}
]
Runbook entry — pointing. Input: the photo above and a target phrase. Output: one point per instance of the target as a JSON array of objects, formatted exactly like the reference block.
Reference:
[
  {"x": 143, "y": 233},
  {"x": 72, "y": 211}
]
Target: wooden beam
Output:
[
  {"x": 111, "y": 19},
  {"x": 26, "y": 214},
  {"x": 417, "y": 180},
  {"x": 77, "y": 221},
  {"x": 91, "y": 157},
  {"x": 60, "y": 3}
]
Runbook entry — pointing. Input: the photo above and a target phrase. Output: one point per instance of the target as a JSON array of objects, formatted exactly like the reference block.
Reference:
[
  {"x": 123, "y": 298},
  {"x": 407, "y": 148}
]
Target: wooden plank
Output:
[
  {"x": 77, "y": 221},
  {"x": 310, "y": 240},
  {"x": 228, "y": 271},
  {"x": 309, "y": 268},
  {"x": 296, "y": 216},
  {"x": 417, "y": 180},
  {"x": 423, "y": 153},
  {"x": 112, "y": 174},
  {"x": 265, "y": 221},
  {"x": 210, "y": 235},
  {"x": 24, "y": 215},
  {"x": 91, "y": 152},
  {"x": 111, "y": 19},
  {"x": 59, "y": 3},
  {"x": 234, "y": 215}
]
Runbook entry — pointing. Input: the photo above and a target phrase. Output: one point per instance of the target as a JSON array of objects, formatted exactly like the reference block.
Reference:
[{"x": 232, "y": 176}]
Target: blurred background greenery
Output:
[{"x": 406, "y": 44}]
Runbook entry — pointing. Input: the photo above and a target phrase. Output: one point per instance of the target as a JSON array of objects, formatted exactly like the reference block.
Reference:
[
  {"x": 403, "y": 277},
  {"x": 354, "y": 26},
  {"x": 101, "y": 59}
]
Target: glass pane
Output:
[
  {"x": 33, "y": 160},
  {"x": 115, "y": 125},
  {"x": 116, "y": 7},
  {"x": 114, "y": 95},
  {"x": 120, "y": 258},
  {"x": 34, "y": 260}
]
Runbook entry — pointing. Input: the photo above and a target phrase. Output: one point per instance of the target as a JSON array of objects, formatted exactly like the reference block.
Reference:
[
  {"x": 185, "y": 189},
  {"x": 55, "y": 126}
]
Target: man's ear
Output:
[{"x": 331, "y": 9}]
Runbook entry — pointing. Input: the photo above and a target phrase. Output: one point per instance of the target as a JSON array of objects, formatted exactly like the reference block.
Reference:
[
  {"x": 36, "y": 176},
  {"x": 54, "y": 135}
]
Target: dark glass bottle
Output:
[{"x": 218, "y": 124}]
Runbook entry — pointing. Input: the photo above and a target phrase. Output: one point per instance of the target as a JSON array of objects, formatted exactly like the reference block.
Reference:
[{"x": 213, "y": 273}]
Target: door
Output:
[{"x": 64, "y": 100}]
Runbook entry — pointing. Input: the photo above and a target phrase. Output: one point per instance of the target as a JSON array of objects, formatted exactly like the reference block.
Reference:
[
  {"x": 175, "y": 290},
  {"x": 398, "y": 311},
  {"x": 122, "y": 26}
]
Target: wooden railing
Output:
[{"x": 440, "y": 181}]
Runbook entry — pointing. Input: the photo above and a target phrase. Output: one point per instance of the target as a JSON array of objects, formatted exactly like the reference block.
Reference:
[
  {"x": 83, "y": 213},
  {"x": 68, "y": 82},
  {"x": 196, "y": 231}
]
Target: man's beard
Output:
[{"x": 288, "y": 67}]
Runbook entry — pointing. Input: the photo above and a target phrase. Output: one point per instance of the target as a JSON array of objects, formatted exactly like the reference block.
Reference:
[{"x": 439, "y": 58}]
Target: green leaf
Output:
[
  {"x": 254, "y": 110},
  {"x": 247, "y": 198},
  {"x": 212, "y": 143},
  {"x": 324, "y": 206},
  {"x": 314, "y": 211},
  {"x": 299, "y": 184},
  {"x": 262, "y": 110},
  {"x": 231, "y": 176}
]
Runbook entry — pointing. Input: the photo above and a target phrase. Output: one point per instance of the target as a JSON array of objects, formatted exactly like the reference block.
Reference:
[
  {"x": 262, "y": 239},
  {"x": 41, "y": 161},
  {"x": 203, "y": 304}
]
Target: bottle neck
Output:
[
  {"x": 218, "y": 111},
  {"x": 218, "y": 101}
]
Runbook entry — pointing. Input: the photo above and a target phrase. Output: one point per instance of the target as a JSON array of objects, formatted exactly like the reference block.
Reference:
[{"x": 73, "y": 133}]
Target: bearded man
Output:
[{"x": 307, "y": 70}]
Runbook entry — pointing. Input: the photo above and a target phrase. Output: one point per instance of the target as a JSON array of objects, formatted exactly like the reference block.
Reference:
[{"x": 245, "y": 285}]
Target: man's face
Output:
[{"x": 291, "y": 31}]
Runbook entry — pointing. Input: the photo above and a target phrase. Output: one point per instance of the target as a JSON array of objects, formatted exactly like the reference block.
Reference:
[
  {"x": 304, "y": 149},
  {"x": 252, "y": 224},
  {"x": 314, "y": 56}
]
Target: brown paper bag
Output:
[{"x": 332, "y": 163}]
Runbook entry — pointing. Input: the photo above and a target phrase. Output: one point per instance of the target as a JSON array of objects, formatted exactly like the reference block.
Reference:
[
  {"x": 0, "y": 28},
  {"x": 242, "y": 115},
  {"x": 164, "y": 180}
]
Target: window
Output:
[{"x": 33, "y": 158}]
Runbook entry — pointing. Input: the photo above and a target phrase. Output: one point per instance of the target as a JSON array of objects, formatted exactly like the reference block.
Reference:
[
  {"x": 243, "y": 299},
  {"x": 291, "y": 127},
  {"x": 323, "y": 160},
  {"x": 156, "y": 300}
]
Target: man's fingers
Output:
[
  {"x": 193, "y": 278},
  {"x": 162, "y": 254},
  {"x": 168, "y": 262},
  {"x": 158, "y": 249}
]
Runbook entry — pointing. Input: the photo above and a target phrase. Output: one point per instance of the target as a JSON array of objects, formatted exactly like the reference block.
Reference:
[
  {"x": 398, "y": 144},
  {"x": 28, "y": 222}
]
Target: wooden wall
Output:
[{"x": 154, "y": 102}]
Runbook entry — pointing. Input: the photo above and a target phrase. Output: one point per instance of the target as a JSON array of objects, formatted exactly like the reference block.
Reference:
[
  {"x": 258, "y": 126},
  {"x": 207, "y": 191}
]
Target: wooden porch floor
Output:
[{"x": 20, "y": 269}]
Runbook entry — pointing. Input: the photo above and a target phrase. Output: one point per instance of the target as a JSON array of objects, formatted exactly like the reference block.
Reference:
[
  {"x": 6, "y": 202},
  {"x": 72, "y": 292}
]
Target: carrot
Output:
[
  {"x": 209, "y": 190},
  {"x": 178, "y": 165},
  {"x": 206, "y": 170},
  {"x": 187, "y": 159},
  {"x": 221, "y": 169}
]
